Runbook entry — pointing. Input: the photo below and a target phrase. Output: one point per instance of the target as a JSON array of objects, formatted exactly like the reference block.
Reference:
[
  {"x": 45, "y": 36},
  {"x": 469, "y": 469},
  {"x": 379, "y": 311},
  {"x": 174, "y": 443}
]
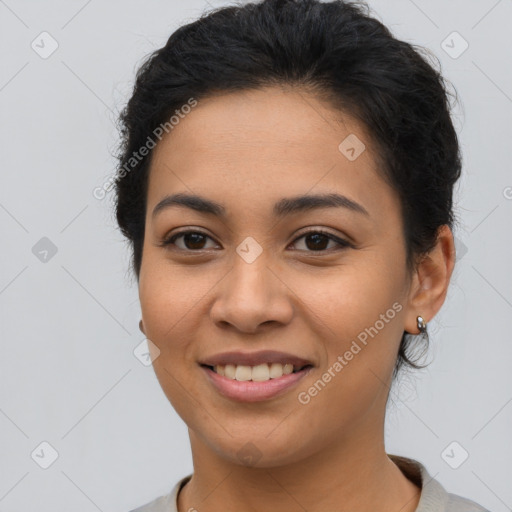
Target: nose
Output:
[{"x": 252, "y": 294}]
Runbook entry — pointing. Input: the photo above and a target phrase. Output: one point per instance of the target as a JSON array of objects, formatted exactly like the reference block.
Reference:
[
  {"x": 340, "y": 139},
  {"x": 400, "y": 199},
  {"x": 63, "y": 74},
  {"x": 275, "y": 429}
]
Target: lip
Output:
[
  {"x": 255, "y": 358},
  {"x": 254, "y": 391}
]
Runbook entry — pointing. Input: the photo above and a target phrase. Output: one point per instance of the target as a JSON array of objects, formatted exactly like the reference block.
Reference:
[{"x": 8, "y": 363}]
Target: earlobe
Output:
[{"x": 431, "y": 281}]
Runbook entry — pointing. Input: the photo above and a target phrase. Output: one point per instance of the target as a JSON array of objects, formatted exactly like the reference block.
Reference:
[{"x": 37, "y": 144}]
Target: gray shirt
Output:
[{"x": 433, "y": 498}]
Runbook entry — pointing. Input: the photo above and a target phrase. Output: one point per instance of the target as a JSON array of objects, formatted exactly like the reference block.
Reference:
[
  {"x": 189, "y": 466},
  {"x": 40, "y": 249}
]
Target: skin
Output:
[{"x": 247, "y": 150}]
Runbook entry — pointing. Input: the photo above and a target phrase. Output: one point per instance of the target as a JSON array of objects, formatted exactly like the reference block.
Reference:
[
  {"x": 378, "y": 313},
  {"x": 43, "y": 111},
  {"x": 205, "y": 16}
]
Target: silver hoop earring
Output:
[{"x": 422, "y": 326}]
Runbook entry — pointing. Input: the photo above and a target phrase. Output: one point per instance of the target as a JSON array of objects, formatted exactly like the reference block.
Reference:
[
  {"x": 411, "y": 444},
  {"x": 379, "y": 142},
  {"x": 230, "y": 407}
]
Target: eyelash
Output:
[{"x": 343, "y": 244}]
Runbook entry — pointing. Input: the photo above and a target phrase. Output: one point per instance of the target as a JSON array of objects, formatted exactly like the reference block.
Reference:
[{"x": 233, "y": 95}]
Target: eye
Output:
[
  {"x": 192, "y": 240},
  {"x": 318, "y": 239},
  {"x": 315, "y": 241}
]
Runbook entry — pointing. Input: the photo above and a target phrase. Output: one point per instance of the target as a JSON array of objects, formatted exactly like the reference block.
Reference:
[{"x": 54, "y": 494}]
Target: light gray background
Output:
[{"x": 68, "y": 326}]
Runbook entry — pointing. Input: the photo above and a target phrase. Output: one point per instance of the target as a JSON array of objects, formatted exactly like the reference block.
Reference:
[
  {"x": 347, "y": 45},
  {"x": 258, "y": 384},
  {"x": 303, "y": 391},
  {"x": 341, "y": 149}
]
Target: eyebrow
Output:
[{"x": 284, "y": 207}]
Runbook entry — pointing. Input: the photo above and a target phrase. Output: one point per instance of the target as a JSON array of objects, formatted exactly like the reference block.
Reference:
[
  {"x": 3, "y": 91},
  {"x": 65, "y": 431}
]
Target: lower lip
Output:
[{"x": 254, "y": 391}]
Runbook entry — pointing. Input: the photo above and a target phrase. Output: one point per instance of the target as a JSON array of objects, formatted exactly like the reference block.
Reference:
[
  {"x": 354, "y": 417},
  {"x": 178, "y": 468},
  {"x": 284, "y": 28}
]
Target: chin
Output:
[{"x": 261, "y": 452}]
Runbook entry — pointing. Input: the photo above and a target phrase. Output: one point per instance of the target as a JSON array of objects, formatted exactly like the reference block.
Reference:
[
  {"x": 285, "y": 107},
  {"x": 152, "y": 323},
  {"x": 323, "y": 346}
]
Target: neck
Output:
[{"x": 341, "y": 478}]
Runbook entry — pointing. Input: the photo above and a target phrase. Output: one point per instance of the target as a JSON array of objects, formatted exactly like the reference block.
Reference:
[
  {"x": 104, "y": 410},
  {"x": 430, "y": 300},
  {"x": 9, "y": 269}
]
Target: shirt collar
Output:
[{"x": 433, "y": 498}]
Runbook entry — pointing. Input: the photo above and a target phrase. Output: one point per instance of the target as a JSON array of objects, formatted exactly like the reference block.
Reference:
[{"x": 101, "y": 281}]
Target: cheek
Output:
[
  {"x": 359, "y": 319},
  {"x": 169, "y": 304},
  {"x": 351, "y": 296},
  {"x": 169, "y": 294},
  {"x": 357, "y": 310}
]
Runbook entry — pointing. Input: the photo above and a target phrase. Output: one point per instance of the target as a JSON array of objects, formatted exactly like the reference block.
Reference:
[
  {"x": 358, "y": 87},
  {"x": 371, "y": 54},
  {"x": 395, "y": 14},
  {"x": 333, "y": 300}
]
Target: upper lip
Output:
[{"x": 255, "y": 358}]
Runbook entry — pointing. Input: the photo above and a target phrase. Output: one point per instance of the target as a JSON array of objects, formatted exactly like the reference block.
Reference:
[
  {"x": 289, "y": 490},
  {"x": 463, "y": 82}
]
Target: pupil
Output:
[
  {"x": 316, "y": 236},
  {"x": 191, "y": 239}
]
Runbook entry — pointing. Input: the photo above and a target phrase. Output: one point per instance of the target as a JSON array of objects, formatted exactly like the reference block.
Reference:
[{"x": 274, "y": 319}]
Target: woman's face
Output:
[{"x": 250, "y": 280}]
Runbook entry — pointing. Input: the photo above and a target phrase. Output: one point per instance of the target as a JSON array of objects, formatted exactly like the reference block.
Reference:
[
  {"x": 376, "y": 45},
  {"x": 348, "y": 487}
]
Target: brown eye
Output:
[
  {"x": 318, "y": 241},
  {"x": 315, "y": 241},
  {"x": 192, "y": 241}
]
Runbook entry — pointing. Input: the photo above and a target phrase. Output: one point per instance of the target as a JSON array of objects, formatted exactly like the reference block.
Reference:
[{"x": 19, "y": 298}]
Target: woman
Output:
[{"x": 285, "y": 181}]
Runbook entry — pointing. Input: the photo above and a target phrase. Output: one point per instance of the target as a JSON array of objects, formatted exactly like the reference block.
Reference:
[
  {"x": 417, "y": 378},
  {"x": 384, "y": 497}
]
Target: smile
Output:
[
  {"x": 259, "y": 373},
  {"x": 254, "y": 384}
]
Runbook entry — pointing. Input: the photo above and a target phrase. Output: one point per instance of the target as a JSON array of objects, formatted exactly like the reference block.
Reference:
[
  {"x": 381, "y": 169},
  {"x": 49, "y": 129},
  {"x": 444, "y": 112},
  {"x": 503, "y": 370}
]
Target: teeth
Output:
[
  {"x": 229, "y": 371},
  {"x": 278, "y": 370},
  {"x": 243, "y": 373},
  {"x": 261, "y": 372}
]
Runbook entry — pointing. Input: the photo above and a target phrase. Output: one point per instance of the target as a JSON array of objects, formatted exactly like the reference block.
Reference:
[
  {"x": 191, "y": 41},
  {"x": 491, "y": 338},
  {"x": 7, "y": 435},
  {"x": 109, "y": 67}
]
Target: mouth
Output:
[
  {"x": 255, "y": 376},
  {"x": 255, "y": 383},
  {"x": 259, "y": 373}
]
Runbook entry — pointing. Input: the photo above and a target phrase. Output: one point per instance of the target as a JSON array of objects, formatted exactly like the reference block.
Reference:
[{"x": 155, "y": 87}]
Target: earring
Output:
[
  {"x": 140, "y": 326},
  {"x": 422, "y": 326}
]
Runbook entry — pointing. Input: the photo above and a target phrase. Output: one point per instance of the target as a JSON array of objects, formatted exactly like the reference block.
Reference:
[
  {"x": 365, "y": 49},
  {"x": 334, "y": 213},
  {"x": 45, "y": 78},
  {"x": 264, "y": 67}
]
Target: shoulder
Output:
[
  {"x": 166, "y": 503},
  {"x": 433, "y": 497},
  {"x": 160, "y": 504},
  {"x": 457, "y": 503}
]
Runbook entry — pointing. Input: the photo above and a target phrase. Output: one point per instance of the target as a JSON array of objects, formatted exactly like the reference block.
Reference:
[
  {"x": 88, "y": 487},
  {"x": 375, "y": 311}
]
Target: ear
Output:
[
  {"x": 141, "y": 327},
  {"x": 431, "y": 280}
]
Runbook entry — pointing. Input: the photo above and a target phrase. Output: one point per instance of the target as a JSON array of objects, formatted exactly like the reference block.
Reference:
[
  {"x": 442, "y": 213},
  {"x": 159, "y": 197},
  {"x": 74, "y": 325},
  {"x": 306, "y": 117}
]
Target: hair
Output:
[{"x": 335, "y": 50}]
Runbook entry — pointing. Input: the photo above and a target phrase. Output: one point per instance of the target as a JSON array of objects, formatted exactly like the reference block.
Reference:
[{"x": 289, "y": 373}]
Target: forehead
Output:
[{"x": 270, "y": 143}]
